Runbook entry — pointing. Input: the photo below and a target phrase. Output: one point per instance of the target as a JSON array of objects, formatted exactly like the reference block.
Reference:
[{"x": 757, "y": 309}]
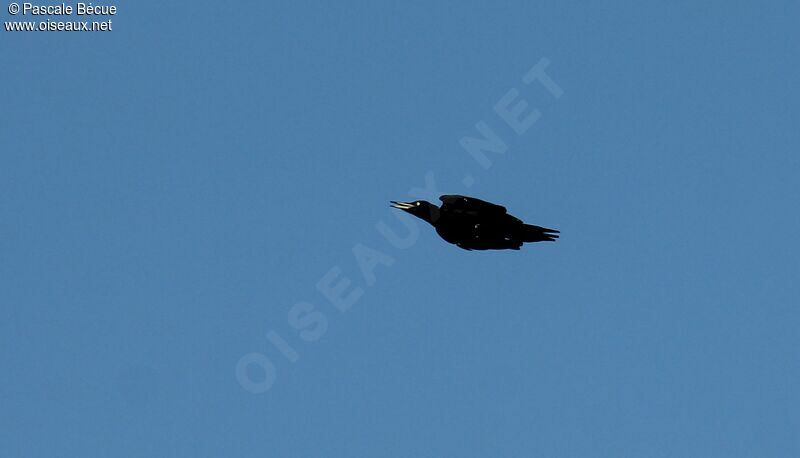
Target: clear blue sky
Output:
[{"x": 172, "y": 189}]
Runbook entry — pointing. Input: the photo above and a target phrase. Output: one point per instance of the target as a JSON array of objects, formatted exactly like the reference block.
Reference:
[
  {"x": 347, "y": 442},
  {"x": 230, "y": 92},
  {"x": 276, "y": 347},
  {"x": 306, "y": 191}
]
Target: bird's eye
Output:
[{"x": 417, "y": 204}]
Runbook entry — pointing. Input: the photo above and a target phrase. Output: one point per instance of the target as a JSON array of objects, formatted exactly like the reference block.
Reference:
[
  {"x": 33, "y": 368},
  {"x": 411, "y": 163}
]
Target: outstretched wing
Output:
[{"x": 455, "y": 202}]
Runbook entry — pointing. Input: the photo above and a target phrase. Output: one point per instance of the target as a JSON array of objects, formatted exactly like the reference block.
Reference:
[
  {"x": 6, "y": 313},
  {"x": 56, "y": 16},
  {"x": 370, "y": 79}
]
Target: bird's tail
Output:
[{"x": 531, "y": 233}]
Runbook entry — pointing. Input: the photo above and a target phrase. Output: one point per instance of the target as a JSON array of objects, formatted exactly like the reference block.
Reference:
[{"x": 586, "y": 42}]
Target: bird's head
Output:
[{"x": 419, "y": 208}]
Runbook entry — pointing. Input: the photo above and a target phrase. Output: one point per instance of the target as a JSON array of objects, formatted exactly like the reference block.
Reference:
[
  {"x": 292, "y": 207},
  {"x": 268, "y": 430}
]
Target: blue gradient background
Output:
[{"x": 170, "y": 189}]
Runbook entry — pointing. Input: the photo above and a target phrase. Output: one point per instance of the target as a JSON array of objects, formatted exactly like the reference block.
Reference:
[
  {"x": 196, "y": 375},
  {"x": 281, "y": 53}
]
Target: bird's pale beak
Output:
[{"x": 401, "y": 205}]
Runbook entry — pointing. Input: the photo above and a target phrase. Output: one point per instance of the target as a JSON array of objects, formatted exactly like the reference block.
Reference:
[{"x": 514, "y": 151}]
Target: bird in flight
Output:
[{"x": 474, "y": 224}]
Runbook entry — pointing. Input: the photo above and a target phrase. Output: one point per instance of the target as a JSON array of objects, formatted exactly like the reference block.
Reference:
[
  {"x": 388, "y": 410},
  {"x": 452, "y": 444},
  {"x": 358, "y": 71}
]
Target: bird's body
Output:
[{"x": 474, "y": 224}]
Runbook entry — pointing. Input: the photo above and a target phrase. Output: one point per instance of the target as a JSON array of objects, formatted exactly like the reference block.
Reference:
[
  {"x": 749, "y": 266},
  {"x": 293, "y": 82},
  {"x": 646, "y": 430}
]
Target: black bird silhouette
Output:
[{"x": 474, "y": 224}]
